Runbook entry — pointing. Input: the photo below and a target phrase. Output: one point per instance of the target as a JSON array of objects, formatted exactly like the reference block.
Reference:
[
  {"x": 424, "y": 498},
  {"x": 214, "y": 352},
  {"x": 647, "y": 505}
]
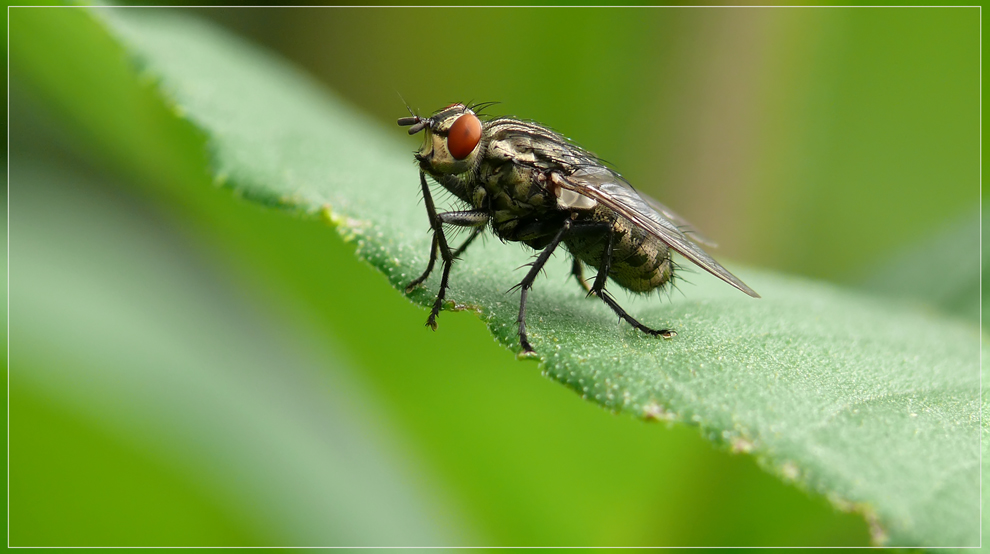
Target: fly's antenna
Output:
[
  {"x": 418, "y": 123},
  {"x": 404, "y": 103}
]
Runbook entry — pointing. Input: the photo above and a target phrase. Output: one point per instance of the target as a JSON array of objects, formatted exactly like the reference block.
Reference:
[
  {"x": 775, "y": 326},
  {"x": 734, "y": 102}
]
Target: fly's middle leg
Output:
[
  {"x": 577, "y": 270},
  {"x": 527, "y": 282},
  {"x": 474, "y": 234},
  {"x": 568, "y": 227}
]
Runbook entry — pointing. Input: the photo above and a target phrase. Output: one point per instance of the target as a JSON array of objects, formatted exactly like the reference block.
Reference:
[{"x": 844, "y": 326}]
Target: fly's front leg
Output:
[
  {"x": 435, "y": 244},
  {"x": 438, "y": 236},
  {"x": 470, "y": 218},
  {"x": 598, "y": 289},
  {"x": 435, "y": 247}
]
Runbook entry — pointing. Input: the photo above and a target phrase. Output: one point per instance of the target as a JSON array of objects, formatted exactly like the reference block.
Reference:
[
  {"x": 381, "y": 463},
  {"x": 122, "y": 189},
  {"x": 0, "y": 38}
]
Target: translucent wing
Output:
[
  {"x": 612, "y": 191},
  {"x": 679, "y": 221}
]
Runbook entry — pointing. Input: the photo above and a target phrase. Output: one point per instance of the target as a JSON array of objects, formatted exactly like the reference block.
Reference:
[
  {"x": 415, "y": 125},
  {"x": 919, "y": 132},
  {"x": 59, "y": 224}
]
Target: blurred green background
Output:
[{"x": 187, "y": 368}]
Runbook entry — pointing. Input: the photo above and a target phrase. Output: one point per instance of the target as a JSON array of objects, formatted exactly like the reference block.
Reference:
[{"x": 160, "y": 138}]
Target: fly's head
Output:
[{"x": 452, "y": 139}]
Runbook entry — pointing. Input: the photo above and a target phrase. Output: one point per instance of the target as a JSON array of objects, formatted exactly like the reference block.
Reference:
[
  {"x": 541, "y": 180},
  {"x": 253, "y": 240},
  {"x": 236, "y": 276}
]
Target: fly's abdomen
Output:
[{"x": 640, "y": 262}]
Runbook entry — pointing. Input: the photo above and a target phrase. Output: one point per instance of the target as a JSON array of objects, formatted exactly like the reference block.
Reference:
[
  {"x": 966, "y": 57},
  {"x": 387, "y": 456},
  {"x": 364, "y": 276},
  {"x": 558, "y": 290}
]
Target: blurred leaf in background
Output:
[{"x": 474, "y": 450}]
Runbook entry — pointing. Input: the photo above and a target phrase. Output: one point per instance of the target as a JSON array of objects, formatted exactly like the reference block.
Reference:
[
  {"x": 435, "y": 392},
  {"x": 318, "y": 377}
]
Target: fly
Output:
[{"x": 532, "y": 185}]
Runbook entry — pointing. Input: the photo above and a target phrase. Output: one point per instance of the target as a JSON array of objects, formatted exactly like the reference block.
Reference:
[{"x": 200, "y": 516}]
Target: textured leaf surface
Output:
[{"x": 866, "y": 401}]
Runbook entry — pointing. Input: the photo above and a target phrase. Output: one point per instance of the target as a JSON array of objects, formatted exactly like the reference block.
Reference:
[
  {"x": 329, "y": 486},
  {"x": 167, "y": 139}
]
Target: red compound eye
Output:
[{"x": 463, "y": 136}]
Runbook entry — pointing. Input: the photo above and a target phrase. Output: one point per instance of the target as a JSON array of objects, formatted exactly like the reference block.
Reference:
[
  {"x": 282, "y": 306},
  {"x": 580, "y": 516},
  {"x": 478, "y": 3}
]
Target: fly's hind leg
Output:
[
  {"x": 665, "y": 333},
  {"x": 598, "y": 289}
]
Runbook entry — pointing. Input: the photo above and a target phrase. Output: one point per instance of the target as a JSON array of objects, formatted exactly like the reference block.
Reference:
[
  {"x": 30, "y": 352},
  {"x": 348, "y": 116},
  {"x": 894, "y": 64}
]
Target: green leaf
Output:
[{"x": 866, "y": 401}]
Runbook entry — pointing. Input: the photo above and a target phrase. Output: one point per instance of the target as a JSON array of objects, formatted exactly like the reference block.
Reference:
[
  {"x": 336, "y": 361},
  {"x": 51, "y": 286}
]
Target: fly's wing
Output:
[
  {"x": 613, "y": 192},
  {"x": 677, "y": 220}
]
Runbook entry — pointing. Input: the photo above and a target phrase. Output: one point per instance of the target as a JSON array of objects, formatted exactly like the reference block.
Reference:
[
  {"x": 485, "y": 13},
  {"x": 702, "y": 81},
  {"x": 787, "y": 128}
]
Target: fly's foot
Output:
[
  {"x": 431, "y": 321},
  {"x": 527, "y": 349},
  {"x": 662, "y": 333},
  {"x": 665, "y": 333},
  {"x": 527, "y": 355}
]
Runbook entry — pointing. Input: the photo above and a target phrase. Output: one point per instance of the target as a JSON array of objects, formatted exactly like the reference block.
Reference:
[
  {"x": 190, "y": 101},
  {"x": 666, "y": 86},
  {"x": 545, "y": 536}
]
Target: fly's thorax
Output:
[
  {"x": 529, "y": 143},
  {"x": 525, "y": 200},
  {"x": 528, "y": 155},
  {"x": 512, "y": 186},
  {"x": 521, "y": 200}
]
